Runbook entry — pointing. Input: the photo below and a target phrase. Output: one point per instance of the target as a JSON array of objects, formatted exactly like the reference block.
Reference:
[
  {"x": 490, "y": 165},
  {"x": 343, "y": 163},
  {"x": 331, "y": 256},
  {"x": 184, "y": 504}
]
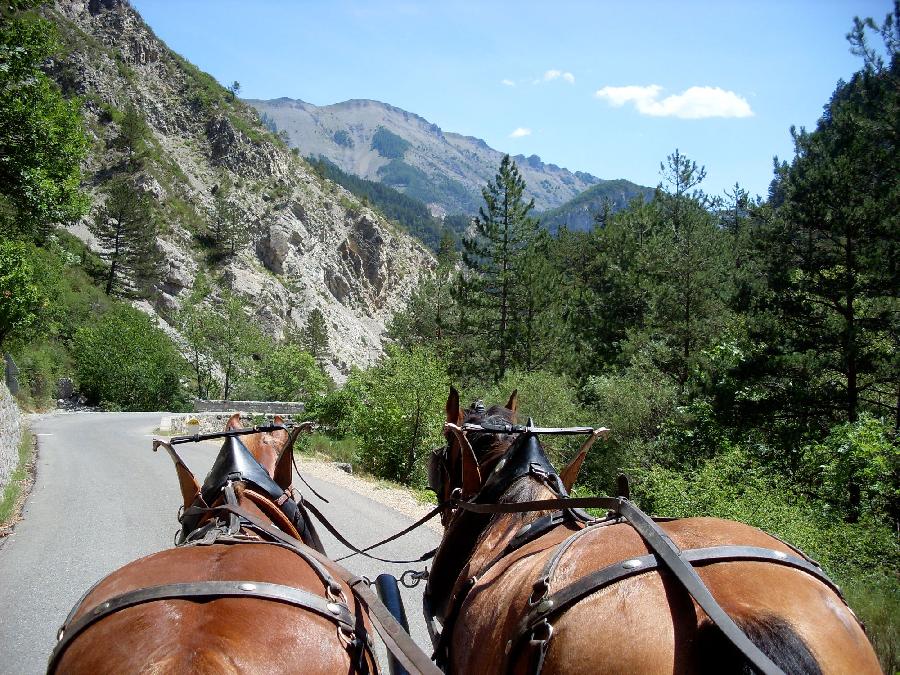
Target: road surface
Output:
[{"x": 102, "y": 498}]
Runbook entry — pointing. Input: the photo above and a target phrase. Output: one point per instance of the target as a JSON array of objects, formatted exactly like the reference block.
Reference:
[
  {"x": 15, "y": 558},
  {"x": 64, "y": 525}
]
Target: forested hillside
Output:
[{"x": 383, "y": 143}]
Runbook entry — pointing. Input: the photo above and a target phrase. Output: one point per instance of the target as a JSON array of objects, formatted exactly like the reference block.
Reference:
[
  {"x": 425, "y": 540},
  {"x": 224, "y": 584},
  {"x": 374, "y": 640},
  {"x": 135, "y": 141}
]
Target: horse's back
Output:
[
  {"x": 222, "y": 635},
  {"x": 647, "y": 623}
]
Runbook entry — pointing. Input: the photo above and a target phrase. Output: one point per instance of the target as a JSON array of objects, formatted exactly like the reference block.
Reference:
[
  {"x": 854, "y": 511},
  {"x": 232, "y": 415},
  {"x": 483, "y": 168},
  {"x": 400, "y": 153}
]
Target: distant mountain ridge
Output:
[
  {"x": 578, "y": 213},
  {"x": 381, "y": 142}
]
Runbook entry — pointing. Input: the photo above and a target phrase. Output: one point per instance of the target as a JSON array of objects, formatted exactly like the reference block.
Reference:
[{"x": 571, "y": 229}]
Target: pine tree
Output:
[
  {"x": 229, "y": 232},
  {"x": 494, "y": 256},
  {"x": 314, "y": 337},
  {"x": 684, "y": 271},
  {"x": 126, "y": 228}
]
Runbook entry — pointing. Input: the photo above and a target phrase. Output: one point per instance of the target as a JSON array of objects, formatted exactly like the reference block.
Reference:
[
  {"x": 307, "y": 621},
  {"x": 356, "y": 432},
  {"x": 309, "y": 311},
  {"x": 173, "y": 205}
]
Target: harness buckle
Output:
[
  {"x": 541, "y": 633},
  {"x": 540, "y": 588}
]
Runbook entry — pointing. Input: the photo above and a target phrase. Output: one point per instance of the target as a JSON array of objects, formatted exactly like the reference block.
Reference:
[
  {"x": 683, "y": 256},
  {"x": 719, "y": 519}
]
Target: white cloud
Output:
[
  {"x": 508, "y": 83},
  {"x": 520, "y": 132},
  {"x": 693, "y": 103},
  {"x": 551, "y": 75}
]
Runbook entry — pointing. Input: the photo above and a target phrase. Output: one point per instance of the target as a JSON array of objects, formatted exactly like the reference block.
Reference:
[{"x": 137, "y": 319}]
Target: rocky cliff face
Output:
[
  {"x": 445, "y": 170},
  {"x": 311, "y": 244}
]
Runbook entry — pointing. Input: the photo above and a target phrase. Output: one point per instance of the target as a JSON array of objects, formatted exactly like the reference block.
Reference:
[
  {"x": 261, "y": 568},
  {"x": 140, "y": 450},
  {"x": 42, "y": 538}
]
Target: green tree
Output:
[
  {"x": 236, "y": 340},
  {"x": 199, "y": 324},
  {"x": 428, "y": 318},
  {"x": 314, "y": 337},
  {"x": 684, "y": 272},
  {"x": 288, "y": 373},
  {"x": 21, "y": 297},
  {"x": 124, "y": 360},
  {"x": 229, "y": 230},
  {"x": 126, "y": 228},
  {"x": 42, "y": 142},
  {"x": 133, "y": 138},
  {"x": 398, "y": 412},
  {"x": 829, "y": 325},
  {"x": 234, "y": 89},
  {"x": 494, "y": 254}
]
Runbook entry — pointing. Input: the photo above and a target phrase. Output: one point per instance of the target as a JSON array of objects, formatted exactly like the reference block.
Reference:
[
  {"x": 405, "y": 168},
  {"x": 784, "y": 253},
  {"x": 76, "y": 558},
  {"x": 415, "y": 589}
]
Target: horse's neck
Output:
[
  {"x": 503, "y": 527},
  {"x": 474, "y": 541}
]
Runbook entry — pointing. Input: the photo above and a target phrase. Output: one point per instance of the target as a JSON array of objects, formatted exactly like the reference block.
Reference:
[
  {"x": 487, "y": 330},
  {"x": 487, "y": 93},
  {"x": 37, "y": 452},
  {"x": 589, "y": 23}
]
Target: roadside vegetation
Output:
[{"x": 12, "y": 492}]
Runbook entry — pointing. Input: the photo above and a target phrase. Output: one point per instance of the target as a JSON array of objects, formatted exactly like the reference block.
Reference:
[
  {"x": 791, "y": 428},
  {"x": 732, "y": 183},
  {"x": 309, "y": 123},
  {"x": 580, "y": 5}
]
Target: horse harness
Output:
[
  {"x": 534, "y": 631},
  {"x": 226, "y": 526}
]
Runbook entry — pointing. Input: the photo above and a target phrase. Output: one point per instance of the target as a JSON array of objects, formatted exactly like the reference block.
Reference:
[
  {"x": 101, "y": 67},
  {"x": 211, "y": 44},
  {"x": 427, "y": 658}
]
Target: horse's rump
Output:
[
  {"x": 652, "y": 611},
  {"x": 244, "y": 634}
]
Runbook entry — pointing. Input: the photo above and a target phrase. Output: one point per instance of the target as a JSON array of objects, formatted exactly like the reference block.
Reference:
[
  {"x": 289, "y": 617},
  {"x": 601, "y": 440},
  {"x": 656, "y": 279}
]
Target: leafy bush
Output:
[
  {"x": 125, "y": 361},
  {"x": 288, "y": 373},
  {"x": 856, "y": 456},
  {"x": 634, "y": 405},
  {"x": 395, "y": 409},
  {"x": 733, "y": 486}
]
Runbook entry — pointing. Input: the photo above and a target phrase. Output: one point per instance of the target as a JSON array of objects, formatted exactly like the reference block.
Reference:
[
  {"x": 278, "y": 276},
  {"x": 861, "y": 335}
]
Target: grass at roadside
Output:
[{"x": 17, "y": 480}]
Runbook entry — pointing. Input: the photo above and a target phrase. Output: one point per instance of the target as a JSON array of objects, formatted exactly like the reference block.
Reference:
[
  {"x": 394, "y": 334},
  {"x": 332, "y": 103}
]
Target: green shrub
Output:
[
  {"x": 289, "y": 373},
  {"x": 860, "y": 454},
  {"x": 123, "y": 360},
  {"x": 397, "y": 413},
  {"x": 634, "y": 406},
  {"x": 733, "y": 486}
]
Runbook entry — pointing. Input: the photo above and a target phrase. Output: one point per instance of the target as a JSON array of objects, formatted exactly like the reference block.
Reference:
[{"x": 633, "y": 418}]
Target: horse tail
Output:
[{"x": 774, "y": 637}]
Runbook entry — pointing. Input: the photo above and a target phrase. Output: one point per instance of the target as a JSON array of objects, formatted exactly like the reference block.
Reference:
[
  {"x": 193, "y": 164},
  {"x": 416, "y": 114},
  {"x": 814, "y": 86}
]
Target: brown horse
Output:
[
  {"x": 229, "y": 598},
  {"x": 561, "y": 592}
]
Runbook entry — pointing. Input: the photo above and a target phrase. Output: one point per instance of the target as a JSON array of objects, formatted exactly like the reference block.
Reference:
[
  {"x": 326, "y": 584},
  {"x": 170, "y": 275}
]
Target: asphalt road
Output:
[{"x": 102, "y": 498}]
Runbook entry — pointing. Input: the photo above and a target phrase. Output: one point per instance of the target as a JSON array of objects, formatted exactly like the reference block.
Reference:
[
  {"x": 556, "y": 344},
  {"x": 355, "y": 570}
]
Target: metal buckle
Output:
[
  {"x": 336, "y": 594},
  {"x": 541, "y": 586},
  {"x": 414, "y": 577},
  {"x": 544, "y": 626}
]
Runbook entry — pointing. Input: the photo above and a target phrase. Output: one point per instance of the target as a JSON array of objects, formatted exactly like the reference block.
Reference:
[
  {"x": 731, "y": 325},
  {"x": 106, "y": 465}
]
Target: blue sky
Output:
[{"x": 607, "y": 88}]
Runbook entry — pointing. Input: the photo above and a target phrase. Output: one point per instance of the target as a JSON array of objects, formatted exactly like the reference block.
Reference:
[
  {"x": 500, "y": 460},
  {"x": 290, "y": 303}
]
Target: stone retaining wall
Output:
[
  {"x": 10, "y": 435},
  {"x": 264, "y": 407},
  {"x": 211, "y": 422}
]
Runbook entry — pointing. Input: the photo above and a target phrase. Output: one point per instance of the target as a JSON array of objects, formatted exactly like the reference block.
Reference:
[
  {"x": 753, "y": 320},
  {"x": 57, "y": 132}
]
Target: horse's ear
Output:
[
  {"x": 278, "y": 419},
  {"x": 570, "y": 473},
  {"x": 513, "y": 403},
  {"x": 234, "y": 422},
  {"x": 454, "y": 412},
  {"x": 283, "y": 474}
]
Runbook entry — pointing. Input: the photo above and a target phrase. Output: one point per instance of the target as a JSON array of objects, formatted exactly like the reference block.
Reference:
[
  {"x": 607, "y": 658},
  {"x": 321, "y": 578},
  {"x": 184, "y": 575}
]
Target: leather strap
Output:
[
  {"x": 671, "y": 555},
  {"x": 303, "y": 550},
  {"x": 606, "y": 576},
  {"x": 397, "y": 640},
  {"x": 362, "y": 551},
  {"x": 330, "y": 609}
]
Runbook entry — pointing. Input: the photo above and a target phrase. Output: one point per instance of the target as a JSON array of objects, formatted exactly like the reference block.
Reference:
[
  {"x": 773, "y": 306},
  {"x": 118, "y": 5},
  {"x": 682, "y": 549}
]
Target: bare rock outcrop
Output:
[{"x": 310, "y": 245}]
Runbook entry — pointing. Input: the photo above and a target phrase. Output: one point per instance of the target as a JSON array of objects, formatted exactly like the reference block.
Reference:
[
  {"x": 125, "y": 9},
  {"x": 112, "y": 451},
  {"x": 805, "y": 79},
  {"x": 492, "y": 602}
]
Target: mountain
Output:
[
  {"x": 312, "y": 244},
  {"x": 578, "y": 213},
  {"x": 383, "y": 143}
]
